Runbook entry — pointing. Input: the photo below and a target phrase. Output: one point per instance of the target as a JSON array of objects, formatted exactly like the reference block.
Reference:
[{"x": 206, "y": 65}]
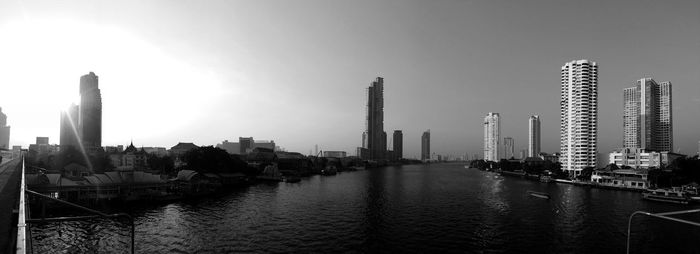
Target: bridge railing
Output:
[{"x": 23, "y": 239}]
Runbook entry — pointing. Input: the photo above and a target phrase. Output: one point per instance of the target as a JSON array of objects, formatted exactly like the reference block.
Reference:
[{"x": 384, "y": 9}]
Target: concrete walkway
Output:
[{"x": 9, "y": 188}]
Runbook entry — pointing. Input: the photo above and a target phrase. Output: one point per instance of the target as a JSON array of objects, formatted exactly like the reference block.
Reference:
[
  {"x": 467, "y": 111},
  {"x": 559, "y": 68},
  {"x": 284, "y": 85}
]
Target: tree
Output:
[
  {"x": 209, "y": 159},
  {"x": 164, "y": 164},
  {"x": 586, "y": 174}
]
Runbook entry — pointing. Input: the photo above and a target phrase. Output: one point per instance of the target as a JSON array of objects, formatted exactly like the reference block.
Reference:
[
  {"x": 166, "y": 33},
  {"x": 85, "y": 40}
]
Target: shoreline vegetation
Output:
[{"x": 93, "y": 180}]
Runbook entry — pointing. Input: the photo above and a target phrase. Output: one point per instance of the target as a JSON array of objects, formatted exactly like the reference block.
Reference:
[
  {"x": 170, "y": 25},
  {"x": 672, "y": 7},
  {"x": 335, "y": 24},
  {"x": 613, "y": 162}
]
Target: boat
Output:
[
  {"x": 674, "y": 195},
  {"x": 270, "y": 173},
  {"x": 545, "y": 179},
  {"x": 329, "y": 170},
  {"x": 538, "y": 194}
]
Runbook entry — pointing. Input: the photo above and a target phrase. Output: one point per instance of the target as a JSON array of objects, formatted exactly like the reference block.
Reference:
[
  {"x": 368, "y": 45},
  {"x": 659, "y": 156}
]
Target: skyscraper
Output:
[
  {"x": 509, "y": 145},
  {"x": 70, "y": 129},
  {"x": 647, "y": 120},
  {"x": 425, "y": 146},
  {"x": 398, "y": 144},
  {"x": 492, "y": 136},
  {"x": 90, "y": 118},
  {"x": 533, "y": 140},
  {"x": 4, "y": 131},
  {"x": 374, "y": 133},
  {"x": 579, "y": 116}
]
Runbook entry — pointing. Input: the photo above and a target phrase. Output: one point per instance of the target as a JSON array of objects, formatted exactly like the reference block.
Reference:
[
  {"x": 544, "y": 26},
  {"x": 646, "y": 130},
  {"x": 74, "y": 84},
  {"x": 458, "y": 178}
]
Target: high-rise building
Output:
[
  {"x": 509, "y": 144},
  {"x": 90, "y": 118},
  {"x": 579, "y": 116},
  {"x": 425, "y": 146},
  {"x": 533, "y": 140},
  {"x": 375, "y": 136},
  {"x": 647, "y": 119},
  {"x": 398, "y": 144},
  {"x": 4, "y": 131},
  {"x": 492, "y": 136},
  {"x": 70, "y": 130},
  {"x": 42, "y": 140},
  {"x": 246, "y": 144}
]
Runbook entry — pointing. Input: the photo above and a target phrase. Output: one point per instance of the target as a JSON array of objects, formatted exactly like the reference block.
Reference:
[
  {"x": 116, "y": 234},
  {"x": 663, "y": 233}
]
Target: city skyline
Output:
[{"x": 448, "y": 67}]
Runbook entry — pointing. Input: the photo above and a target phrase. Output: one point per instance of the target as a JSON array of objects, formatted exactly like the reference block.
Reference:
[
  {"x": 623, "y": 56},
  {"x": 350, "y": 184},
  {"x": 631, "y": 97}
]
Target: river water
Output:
[{"x": 417, "y": 208}]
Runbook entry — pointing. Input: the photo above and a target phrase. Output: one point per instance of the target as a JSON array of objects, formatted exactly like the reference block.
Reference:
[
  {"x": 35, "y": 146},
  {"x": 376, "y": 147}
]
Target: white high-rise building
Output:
[
  {"x": 647, "y": 121},
  {"x": 533, "y": 141},
  {"x": 579, "y": 116},
  {"x": 492, "y": 137}
]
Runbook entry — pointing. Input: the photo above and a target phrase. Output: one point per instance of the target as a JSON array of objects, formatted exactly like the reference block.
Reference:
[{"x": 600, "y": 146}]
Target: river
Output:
[{"x": 415, "y": 208}]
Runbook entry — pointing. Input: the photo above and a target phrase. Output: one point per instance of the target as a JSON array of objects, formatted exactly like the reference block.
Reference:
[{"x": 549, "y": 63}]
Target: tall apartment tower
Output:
[
  {"x": 533, "y": 137},
  {"x": 425, "y": 146},
  {"x": 492, "y": 136},
  {"x": 375, "y": 136},
  {"x": 509, "y": 144},
  {"x": 398, "y": 144},
  {"x": 90, "y": 118},
  {"x": 70, "y": 129},
  {"x": 647, "y": 120},
  {"x": 4, "y": 131},
  {"x": 579, "y": 116}
]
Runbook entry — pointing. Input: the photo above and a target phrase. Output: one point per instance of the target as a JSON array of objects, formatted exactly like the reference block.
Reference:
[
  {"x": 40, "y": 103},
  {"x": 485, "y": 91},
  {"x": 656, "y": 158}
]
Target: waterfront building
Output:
[
  {"x": 335, "y": 154},
  {"x": 246, "y": 145},
  {"x": 425, "y": 146},
  {"x": 90, "y": 111},
  {"x": 647, "y": 120},
  {"x": 638, "y": 158},
  {"x": 549, "y": 157},
  {"x": 69, "y": 129},
  {"x": 621, "y": 178},
  {"x": 509, "y": 144},
  {"x": 374, "y": 138},
  {"x": 398, "y": 145},
  {"x": 492, "y": 136},
  {"x": 4, "y": 131},
  {"x": 579, "y": 116},
  {"x": 533, "y": 137}
]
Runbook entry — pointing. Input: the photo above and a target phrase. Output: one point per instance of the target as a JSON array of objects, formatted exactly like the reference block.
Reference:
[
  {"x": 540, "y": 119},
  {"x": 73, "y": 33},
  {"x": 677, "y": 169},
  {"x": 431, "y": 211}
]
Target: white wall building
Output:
[
  {"x": 579, "y": 116},
  {"x": 638, "y": 158},
  {"x": 492, "y": 137}
]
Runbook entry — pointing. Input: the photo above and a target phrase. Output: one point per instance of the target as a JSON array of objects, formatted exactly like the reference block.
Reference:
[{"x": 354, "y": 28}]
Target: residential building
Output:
[
  {"x": 398, "y": 144},
  {"x": 638, "y": 158},
  {"x": 533, "y": 137},
  {"x": 374, "y": 137},
  {"x": 42, "y": 140},
  {"x": 579, "y": 116},
  {"x": 90, "y": 111},
  {"x": 492, "y": 136},
  {"x": 509, "y": 144},
  {"x": 425, "y": 146},
  {"x": 647, "y": 119},
  {"x": 4, "y": 131}
]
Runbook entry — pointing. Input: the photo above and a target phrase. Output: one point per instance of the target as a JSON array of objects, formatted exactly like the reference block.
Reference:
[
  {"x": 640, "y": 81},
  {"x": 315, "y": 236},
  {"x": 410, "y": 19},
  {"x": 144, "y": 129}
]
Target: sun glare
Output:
[{"x": 143, "y": 86}]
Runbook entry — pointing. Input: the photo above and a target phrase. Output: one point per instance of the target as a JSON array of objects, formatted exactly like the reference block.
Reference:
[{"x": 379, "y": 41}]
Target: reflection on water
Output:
[{"x": 418, "y": 208}]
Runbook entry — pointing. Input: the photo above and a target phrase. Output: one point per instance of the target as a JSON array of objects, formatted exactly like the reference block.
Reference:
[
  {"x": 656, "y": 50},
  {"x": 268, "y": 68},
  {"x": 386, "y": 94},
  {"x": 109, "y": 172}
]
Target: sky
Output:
[{"x": 296, "y": 71}]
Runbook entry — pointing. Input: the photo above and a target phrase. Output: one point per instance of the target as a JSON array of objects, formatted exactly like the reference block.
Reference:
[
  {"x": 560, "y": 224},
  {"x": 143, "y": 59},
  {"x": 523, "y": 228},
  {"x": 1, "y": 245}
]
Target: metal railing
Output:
[
  {"x": 664, "y": 216},
  {"x": 23, "y": 237}
]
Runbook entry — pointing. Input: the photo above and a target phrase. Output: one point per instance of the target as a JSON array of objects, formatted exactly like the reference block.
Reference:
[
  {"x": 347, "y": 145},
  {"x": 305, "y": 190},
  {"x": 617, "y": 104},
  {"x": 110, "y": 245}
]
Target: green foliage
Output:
[
  {"x": 209, "y": 159},
  {"x": 163, "y": 165}
]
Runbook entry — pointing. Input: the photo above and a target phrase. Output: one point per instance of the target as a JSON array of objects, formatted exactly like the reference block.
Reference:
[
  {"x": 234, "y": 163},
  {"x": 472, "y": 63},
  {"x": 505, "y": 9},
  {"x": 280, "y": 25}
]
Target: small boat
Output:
[
  {"x": 666, "y": 195},
  {"x": 329, "y": 170},
  {"x": 538, "y": 194},
  {"x": 545, "y": 179}
]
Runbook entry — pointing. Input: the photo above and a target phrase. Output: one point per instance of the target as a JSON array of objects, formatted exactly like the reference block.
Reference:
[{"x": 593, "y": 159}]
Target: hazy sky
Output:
[{"x": 296, "y": 71}]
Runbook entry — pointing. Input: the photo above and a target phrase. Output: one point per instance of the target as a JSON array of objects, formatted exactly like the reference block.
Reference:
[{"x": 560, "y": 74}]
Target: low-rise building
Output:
[
  {"x": 641, "y": 159},
  {"x": 130, "y": 159},
  {"x": 334, "y": 154},
  {"x": 621, "y": 178}
]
